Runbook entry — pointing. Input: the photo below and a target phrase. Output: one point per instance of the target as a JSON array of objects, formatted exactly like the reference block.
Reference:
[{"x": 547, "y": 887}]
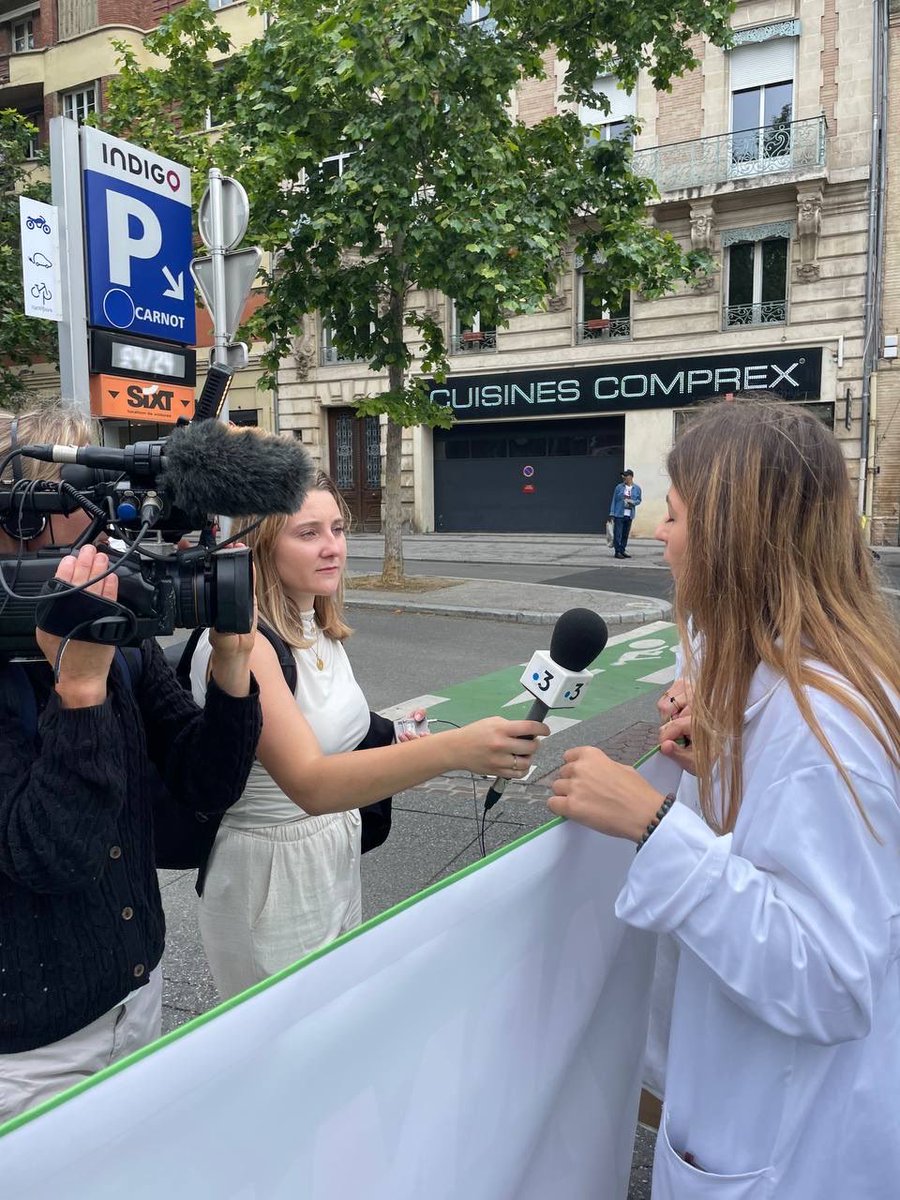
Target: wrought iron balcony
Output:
[
  {"x": 473, "y": 341},
  {"x": 605, "y": 329},
  {"x": 770, "y": 312},
  {"x": 746, "y": 154}
]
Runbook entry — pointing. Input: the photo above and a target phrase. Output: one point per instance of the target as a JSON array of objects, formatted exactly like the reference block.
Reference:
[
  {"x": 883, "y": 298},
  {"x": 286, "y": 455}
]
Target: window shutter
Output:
[
  {"x": 761, "y": 63},
  {"x": 621, "y": 103}
]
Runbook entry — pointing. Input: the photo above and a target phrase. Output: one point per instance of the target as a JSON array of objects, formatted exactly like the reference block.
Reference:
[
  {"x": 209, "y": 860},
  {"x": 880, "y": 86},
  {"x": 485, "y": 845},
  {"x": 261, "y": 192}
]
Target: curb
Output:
[{"x": 655, "y": 610}]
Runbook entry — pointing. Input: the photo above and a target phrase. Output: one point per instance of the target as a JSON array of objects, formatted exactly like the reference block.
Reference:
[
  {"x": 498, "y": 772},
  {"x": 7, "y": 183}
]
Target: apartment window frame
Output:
[
  {"x": 614, "y": 125},
  {"x": 75, "y": 103},
  {"x": 21, "y": 35},
  {"x": 760, "y": 310},
  {"x": 596, "y": 323},
  {"x": 761, "y": 67},
  {"x": 471, "y": 337}
]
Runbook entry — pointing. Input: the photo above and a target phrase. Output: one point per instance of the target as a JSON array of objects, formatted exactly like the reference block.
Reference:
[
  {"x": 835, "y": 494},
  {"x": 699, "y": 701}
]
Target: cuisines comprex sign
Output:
[{"x": 611, "y": 387}]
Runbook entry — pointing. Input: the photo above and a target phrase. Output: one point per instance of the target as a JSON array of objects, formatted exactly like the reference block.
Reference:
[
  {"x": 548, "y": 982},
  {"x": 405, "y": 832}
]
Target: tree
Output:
[
  {"x": 441, "y": 187},
  {"x": 22, "y": 339}
]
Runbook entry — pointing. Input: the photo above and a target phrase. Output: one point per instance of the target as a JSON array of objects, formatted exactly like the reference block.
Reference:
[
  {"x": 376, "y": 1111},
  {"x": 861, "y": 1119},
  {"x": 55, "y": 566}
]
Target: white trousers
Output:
[
  {"x": 274, "y": 893},
  {"x": 29, "y": 1078}
]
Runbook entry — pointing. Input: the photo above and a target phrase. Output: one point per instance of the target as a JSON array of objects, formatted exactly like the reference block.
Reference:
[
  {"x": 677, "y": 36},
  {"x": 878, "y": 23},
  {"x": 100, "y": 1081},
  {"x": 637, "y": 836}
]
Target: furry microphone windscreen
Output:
[{"x": 211, "y": 467}]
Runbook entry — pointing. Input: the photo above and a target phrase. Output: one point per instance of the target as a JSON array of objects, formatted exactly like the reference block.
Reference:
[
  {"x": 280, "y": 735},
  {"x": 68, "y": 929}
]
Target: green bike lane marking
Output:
[{"x": 632, "y": 665}]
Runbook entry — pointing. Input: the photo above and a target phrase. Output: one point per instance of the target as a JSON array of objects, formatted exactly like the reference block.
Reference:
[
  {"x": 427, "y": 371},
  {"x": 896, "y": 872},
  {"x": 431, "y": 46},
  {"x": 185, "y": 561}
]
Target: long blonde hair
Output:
[
  {"x": 775, "y": 571},
  {"x": 276, "y": 607}
]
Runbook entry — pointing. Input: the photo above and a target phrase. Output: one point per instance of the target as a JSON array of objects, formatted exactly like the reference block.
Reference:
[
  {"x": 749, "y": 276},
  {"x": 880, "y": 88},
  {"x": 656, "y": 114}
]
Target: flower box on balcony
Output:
[
  {"x": 472, "y": 336},
  {"x": 598, "y": 323}
]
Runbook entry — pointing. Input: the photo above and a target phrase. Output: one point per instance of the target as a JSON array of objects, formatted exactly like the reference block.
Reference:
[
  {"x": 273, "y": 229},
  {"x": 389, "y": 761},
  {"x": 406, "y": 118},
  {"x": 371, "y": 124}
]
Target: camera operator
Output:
[{"x": 82, "y": 921}]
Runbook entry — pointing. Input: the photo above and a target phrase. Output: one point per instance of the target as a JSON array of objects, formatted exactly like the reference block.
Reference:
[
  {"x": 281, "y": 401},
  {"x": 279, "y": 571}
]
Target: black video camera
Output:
[{"x": 160, "y": 588}]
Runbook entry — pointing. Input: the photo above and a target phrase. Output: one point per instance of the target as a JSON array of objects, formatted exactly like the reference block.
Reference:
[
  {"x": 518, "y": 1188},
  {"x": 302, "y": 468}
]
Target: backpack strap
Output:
[
  {"x": 183, "y": 670},
  {"x": 285, "y": 654}
]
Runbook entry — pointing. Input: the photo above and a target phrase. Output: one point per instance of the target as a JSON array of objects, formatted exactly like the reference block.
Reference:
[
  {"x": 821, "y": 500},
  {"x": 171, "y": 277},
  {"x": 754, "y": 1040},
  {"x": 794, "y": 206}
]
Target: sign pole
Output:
[
  {"x": 65, "y": 176},
  {"x": 217, "y": 252}
]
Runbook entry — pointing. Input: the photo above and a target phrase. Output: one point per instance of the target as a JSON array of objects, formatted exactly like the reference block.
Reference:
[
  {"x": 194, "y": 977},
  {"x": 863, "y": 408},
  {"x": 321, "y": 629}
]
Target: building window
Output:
[
  {"x": 330, "y": 353},
  {"x": 615, "y": 123},
  {"x": 216, "y": 4},
  {"x": 80, "y": 104},
  {"x": 334, "y": 166},
  {"x": 473, "y": 338},
  {"x": 757, "y": 283},
  {"x": 596, "y": 323},
  {"x": 762, "y": 99},
  {"x": 33, "y": 149},
  {"x": 23, "y": 36},
  {"x": 477, "y": 13}
]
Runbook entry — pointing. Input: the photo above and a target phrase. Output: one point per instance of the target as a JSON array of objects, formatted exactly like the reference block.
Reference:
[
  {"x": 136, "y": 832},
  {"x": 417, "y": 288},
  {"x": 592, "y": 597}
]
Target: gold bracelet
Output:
[{"x": 661, "y": 812}]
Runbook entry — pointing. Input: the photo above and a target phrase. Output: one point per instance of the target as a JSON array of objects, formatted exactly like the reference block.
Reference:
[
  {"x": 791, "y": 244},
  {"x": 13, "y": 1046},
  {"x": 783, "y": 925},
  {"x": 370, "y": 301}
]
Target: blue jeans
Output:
[{"x": 621, "y": 529}]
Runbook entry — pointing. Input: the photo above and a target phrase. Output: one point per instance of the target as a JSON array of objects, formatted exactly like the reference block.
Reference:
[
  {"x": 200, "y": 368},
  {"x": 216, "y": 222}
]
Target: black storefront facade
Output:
[{"x": 541, "y": 451}]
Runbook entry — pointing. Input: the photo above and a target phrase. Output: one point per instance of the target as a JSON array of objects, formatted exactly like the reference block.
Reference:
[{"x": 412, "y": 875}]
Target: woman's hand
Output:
[
  {"x": 418, "y": 715},
  {"x": 495, "y": 746},
  {"x": 85, "y": 666},
  {"x": 604, "y": 795},
  {"x": 674, "y": 709}
]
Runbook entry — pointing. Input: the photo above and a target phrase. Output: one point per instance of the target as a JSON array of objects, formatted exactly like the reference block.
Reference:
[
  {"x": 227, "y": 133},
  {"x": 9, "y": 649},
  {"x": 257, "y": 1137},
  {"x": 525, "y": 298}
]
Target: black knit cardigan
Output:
[{"x": 81, "y": 920}]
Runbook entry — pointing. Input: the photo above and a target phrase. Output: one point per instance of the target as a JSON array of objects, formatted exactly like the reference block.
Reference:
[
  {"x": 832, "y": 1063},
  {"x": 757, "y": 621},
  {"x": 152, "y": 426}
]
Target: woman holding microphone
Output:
[
  {"x": 283, "y": 878},
  {"x": 781, "y": 882}
]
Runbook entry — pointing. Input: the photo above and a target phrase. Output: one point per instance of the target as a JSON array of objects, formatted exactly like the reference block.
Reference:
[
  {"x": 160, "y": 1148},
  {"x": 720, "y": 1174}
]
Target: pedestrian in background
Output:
[
  {"x": 775, "y": 868},
  {"x": 625, "y": 499}
]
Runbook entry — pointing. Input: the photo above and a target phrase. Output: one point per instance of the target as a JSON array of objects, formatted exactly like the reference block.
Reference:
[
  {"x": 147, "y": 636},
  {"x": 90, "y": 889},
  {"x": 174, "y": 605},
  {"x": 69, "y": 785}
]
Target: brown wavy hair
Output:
[
  {"x": 276, "y": 607},
  {"x": 775, "y": 571}
]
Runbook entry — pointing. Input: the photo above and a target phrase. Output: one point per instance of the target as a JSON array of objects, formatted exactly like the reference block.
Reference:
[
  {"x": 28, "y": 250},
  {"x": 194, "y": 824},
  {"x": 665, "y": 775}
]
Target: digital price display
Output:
[{"x": 119, "y": 354}]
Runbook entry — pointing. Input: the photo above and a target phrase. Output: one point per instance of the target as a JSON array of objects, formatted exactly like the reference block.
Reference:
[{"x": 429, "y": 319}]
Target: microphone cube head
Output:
[{"x": 553, "y": 684}]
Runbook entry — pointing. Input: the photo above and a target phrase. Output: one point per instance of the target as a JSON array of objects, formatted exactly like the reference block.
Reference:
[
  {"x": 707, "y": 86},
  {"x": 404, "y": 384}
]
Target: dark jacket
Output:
[{"x": 81, "y": 921}]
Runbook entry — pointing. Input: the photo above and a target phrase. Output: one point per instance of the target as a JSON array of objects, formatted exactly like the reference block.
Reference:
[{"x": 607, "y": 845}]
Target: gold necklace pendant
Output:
[{"x": 319, "y": 663}]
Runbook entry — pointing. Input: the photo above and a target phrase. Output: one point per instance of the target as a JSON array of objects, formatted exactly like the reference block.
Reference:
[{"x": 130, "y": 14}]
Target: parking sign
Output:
[{"x": 137, "y": 213}]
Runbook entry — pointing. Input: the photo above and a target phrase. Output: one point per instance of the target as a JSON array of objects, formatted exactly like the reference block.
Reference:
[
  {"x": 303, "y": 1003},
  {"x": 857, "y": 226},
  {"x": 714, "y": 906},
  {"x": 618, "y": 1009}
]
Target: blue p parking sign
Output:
[{"x": 137, "y": 211}]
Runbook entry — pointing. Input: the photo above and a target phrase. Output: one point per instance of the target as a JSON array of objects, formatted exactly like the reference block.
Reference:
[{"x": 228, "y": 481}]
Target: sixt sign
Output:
[
  {"x": 137, "y": 209},
  {"x": 794, "y": 374}
]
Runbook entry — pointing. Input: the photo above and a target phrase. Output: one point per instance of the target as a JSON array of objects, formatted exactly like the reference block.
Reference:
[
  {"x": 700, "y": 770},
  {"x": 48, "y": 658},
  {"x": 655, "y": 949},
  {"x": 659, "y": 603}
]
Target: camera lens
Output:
[{"x": 216, "y": 591}]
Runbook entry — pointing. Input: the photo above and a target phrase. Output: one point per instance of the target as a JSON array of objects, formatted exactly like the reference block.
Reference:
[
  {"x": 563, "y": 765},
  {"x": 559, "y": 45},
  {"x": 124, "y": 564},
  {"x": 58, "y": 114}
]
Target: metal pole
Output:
[
  {"x": 65, "y": 177},
  {"x": 217, "y": 253}
]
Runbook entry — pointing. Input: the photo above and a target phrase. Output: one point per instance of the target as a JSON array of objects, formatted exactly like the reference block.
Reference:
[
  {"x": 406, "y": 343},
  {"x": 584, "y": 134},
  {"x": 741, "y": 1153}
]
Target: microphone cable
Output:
[{"x": 479, "y": 829}]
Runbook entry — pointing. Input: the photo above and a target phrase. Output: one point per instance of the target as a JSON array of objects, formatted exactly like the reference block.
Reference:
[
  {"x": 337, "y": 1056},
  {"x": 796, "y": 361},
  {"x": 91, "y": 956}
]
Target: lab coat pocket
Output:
[{"x": 674, "y": 1179}]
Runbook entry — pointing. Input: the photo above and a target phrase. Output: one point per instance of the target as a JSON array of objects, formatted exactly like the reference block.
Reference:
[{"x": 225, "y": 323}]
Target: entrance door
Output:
[{"x": 355, "y": 465}]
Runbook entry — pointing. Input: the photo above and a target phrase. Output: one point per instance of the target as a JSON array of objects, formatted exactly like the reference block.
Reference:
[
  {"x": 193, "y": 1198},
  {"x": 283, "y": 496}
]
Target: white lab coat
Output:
[{"x": 783, "y": 1072}]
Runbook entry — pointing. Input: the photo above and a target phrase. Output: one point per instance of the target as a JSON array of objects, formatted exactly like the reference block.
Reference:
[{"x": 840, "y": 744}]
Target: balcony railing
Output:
[
  {"x": 473, "y": 341},
  {"x": 603, "y": 330},
  {"x": 749, "y": 153},
  {"x": 770, "y": 312}
]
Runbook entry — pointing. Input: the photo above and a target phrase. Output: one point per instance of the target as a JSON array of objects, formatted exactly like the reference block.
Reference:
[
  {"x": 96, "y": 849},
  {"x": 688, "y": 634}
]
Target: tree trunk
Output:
[{"x": 392, "y": 571}]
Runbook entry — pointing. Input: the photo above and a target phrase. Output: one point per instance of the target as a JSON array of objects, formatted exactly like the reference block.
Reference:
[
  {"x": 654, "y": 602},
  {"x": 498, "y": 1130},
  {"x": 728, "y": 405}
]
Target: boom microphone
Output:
[
  {"x": 206, "y": 467},
  {"x": 558, "y": 680}
]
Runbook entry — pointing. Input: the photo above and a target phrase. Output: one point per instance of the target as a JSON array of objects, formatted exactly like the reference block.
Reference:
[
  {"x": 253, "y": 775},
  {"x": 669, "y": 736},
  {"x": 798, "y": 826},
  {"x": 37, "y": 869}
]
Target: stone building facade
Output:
[{"x": 761, "y": 155}]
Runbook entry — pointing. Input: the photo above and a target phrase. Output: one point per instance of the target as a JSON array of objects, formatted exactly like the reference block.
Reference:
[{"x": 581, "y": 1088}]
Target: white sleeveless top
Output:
[{"x": 333, "y": 704}]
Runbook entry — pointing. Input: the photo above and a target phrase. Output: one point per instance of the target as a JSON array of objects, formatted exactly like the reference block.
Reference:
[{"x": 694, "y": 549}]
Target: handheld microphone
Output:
[
  {"x": 558, "y": 679},
  {"x": 206, "y": 467}
]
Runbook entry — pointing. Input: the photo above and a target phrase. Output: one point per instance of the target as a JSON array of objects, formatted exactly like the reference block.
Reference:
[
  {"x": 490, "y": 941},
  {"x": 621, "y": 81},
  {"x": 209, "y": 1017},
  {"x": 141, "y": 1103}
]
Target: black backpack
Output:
[{"x": 376, "y": 817}]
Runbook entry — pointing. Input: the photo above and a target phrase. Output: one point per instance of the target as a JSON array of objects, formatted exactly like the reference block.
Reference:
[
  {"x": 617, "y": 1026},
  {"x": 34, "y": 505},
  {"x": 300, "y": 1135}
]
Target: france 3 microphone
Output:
[{"x": 558, "y": 679}]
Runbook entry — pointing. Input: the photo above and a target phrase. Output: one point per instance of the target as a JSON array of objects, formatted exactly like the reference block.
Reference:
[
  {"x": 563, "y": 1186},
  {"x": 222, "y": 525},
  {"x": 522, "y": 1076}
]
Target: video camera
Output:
[{"x": 169, "y": 486}]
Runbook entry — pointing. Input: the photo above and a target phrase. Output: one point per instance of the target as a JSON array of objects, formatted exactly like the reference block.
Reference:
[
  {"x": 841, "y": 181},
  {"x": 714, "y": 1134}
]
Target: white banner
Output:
[{"x": 484, "y": 1040}]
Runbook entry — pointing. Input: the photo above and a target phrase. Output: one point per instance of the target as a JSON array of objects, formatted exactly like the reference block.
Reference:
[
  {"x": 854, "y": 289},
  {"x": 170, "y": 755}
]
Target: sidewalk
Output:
[{"x": 499, "y": 599}]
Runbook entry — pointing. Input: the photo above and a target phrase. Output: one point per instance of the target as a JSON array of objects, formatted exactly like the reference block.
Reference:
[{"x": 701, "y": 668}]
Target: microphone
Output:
[
  {"x": 558, "y": 679},
  {"x": 206, "y": 467}
]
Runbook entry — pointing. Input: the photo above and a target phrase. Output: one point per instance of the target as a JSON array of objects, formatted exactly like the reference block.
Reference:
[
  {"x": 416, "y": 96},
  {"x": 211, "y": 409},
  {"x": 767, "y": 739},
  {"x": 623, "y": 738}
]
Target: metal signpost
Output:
[{"x": 225, "y": 276}]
